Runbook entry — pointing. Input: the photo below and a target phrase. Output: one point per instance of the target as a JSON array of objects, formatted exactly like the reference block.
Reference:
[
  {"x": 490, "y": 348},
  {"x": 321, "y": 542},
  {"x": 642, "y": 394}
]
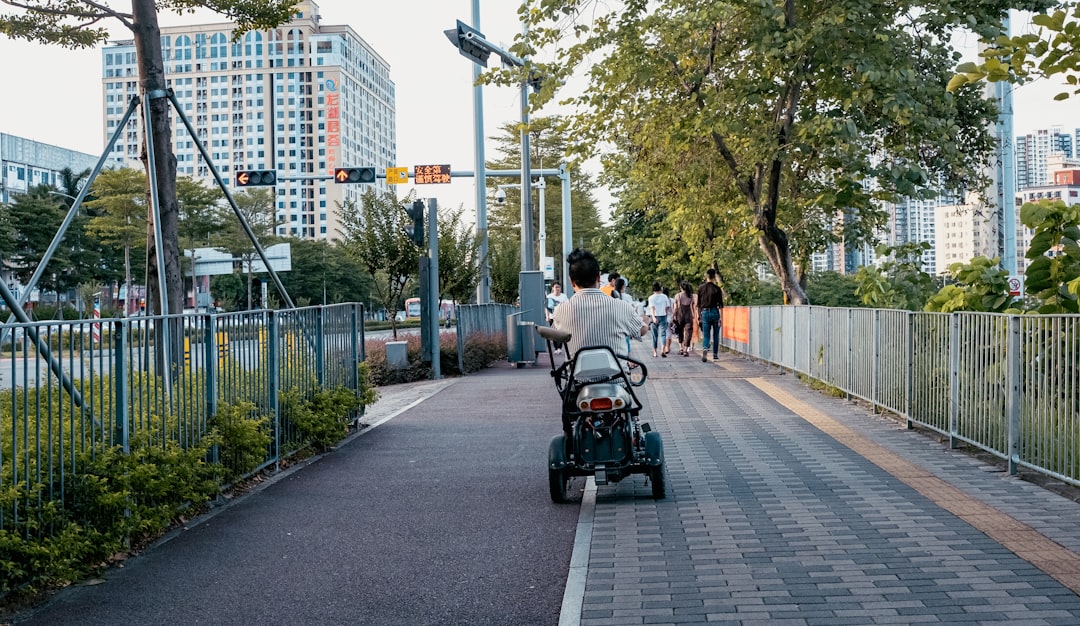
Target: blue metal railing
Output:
[{"x": 126, "y": 390}]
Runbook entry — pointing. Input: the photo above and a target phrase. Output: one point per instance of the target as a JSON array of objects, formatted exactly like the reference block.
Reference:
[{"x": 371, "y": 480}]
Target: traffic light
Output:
[
  {"x": 416, "y": 231},
  {"x": 348, "y": 175},
  {"x": 255, "y": 178}
]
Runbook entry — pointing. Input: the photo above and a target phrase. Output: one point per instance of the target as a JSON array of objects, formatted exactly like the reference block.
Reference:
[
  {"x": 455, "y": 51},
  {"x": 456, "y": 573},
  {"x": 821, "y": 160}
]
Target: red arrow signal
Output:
[{"x": 242, "y": 178}]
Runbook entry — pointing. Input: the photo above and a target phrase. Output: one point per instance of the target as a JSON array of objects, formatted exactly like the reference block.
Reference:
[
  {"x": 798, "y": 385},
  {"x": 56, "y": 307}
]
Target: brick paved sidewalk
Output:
[{"x": 771, "y": 520}]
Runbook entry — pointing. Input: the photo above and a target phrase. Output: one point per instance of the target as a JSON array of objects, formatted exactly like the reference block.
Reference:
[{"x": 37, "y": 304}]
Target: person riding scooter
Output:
[{"x": 592, "y": 317}]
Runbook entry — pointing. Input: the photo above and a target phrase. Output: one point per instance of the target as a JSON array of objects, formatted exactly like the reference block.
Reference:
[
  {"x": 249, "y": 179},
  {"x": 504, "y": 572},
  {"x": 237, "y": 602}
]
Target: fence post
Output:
[
  {"x": 850, "y": 354},
  {"x": 363, "y": 334},
  {"x": 272, "y": 381},
  {"x": 877, "y": 364},
  {"x": 120, "y": 382},
  {"x": 461, "y": 330},
  {"x": 210, "y": 364},
  {"x": 954, "y": 382},
  {"x": 354, "y": 352},
  {"x": 909, "y": 371},
  {"x": 320, "y": 348},
  {"x": 1012, "y": 392}
]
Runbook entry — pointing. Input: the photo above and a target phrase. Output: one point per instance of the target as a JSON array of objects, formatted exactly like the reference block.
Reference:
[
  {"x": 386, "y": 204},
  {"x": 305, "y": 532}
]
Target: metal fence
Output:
[
  {"x": 71, "y": 389},
  {"x": 1008, "y": 384},
  {"x": 480, "y": 318}
]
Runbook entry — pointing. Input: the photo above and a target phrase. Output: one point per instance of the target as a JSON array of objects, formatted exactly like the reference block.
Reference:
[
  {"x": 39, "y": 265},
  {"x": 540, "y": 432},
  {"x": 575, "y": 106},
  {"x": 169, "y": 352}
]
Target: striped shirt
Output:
[{"x": 596, "y": 319}]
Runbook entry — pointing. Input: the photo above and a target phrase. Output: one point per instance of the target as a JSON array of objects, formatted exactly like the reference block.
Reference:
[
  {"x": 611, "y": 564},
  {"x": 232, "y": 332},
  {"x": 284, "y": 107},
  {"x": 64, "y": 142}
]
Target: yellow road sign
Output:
[{"x": 397, "y": 175}]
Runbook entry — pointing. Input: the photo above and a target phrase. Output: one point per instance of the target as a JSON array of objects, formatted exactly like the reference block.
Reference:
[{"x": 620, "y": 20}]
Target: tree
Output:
[
  {"x": 373, "y": 233},
  {"x": 258, "y": 207},
  {"x": 323, "y": 274},
  {"x": 120, "y": 205},
  {"x": 1049, "y": 52},
  {"x": 548, "y": 150},
  {"x": 76, "y": 24},
  {"x": 1053, "y": 281},
  {"x": 899, "y": 282},
  {"x": 459, "y": 262},
  {"x": 833, "y": 289},
  {"x": 802, "y": 110},
  {"x": 34, "y": 218},
  {"x": 201, "y": 216},
  {"x": 981, "y": 285}
]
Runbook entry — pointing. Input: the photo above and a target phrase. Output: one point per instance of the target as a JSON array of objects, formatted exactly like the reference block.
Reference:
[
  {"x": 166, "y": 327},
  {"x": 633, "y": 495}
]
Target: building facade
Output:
[
  {"x": 301, "y": 99},
  {"x": 964, "y": 231},
  {"x": 1033, "y": 152},
  {"x": 25, "y": 163}
]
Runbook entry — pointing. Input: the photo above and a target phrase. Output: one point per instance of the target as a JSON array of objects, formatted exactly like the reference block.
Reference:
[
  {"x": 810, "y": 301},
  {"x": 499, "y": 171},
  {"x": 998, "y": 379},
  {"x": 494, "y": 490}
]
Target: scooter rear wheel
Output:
[
  {"x": 557, "y": 484},
  {"x": 558, "y": 476},
  {"x": 656, "y": 477}
]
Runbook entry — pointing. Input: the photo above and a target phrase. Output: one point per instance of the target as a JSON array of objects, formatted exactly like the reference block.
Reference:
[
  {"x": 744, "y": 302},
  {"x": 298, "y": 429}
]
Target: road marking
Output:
[
  {"x": 574, "y": 595},
  {"x": 1027, "y": 543}
]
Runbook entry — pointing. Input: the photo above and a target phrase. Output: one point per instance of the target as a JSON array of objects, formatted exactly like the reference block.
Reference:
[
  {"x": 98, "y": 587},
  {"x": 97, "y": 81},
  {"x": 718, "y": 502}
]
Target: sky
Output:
[{"x": 53, "y": 95}]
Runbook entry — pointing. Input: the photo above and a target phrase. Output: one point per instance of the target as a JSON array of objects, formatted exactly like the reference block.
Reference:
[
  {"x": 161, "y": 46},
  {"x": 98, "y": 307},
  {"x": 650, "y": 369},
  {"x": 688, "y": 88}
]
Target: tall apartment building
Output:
[
  {"x": 1032, "y": 152},
  {"x": 913, "y": 220},
  {"x": 25, "y": 163},
  {"x": 965, "y": 231},
  {"x": 301, "y": 99}
]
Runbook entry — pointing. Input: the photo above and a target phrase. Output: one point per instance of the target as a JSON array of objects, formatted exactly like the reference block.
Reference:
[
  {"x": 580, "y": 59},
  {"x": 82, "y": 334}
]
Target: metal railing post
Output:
[
  {"x": 909, "y": 371},
  {"x": 877, "y": 364},
  {"x": 210, "y": 366},
  {"x": 1012, "y": 392},
  {"x": 354, "y": 352},
  {"x": 120, "y": 387},
  {"x": 954, "y": 379},
  {"x": 320, "y": 348},
  {"x": 274, "y": 368},
  {"x": 851, "y": 354}
]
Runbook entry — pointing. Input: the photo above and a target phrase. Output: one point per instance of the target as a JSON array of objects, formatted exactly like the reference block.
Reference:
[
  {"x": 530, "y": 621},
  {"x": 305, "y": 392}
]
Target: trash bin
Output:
[{"x": 520, "y": 340}]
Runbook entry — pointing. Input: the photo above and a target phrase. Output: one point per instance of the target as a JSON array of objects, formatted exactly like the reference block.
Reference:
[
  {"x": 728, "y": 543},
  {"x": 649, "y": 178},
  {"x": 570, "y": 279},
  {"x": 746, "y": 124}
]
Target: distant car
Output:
[{"x": 400, "y": 316}]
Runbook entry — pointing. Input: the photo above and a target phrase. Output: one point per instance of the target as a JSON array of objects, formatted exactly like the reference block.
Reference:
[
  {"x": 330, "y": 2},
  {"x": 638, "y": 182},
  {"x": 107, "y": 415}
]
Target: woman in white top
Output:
[{"x": 659, "y": 309}]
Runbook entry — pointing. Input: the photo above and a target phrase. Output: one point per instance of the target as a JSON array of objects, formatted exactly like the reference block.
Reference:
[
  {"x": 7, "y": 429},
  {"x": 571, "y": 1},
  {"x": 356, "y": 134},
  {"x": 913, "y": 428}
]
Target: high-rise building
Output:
[
  {"x": 1032, "y": 152},
  {"x": 965, "y": 231},
  {"x": 25, "y": 163},
  {"x": 912, "y": 221},
  {"x": 300, "y": 99}
]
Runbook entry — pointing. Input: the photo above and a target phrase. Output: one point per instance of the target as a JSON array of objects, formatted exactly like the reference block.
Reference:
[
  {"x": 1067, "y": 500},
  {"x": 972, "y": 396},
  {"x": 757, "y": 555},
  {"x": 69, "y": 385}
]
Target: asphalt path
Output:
[{"x": 440, "y": 515}]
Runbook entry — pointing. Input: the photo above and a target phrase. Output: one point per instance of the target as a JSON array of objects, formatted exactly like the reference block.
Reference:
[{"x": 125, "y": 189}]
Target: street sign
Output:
[
  {"x": 1016, "y": 286},
  {"x": 397, "y": 175},
  {"x": 431, "y": 174},
  {"x": 349, "y": 175}
]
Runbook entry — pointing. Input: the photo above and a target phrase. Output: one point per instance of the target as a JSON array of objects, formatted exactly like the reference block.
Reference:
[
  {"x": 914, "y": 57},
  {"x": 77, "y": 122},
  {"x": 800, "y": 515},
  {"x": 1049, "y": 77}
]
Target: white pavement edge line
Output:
[{"x": 574, "y": 595}]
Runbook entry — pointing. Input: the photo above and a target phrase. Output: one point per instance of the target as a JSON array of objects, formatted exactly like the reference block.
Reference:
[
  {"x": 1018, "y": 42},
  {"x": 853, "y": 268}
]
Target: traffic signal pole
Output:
[{"x": 434, "y": 306}]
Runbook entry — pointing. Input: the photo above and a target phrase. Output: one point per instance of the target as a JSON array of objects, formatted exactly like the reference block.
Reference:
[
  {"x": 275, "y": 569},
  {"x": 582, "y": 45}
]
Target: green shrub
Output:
[
  {"x": 322, "y": 416},
  {"x": 243, "y": 437},
  {"x": 481, "y": 350}
]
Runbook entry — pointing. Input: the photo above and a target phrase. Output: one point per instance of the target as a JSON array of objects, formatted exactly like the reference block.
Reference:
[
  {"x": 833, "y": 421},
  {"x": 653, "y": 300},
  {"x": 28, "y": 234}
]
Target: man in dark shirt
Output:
[{"x": 710, "y": 302}]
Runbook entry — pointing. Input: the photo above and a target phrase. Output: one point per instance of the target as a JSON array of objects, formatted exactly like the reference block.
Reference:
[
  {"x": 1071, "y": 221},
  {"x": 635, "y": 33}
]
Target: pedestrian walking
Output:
[
  {"x": 710, "y": 302},
  {"x": 554, "y": 299},
  {"x": 659, "y": 308},
  {"x": 683, "y": 315}
]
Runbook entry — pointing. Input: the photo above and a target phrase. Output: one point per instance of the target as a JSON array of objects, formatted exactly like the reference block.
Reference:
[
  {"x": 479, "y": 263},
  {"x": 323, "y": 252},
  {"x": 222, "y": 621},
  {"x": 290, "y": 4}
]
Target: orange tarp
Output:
[{"x": 736, "y": 323}]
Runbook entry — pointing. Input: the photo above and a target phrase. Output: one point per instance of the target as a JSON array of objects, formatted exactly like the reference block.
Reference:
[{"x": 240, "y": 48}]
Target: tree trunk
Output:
[
  {"x": 147, "y": 37},
  {"x": 249, "y": 285},
  {"x": 152, "y": 79}
]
